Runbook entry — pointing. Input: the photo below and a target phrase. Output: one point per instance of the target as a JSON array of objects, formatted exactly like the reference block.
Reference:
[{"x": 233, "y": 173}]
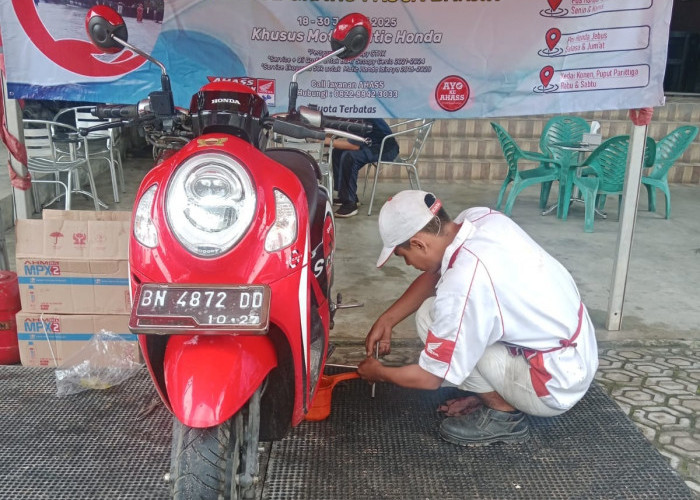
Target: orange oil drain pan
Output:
[{"x": 321, "y": 406}]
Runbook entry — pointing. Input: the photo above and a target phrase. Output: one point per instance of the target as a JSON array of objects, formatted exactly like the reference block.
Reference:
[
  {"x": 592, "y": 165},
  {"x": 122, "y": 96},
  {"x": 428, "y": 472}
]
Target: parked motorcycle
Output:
[{"x": 231, "y": 264}]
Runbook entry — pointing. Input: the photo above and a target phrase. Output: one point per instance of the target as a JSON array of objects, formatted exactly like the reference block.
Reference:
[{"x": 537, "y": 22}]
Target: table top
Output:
[{"x": 575, "y": 146}]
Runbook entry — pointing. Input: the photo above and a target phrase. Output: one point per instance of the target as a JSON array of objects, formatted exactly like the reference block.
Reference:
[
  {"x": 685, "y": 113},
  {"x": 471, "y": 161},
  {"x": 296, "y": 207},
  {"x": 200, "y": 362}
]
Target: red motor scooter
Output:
[{"x": 231, "y": 264}]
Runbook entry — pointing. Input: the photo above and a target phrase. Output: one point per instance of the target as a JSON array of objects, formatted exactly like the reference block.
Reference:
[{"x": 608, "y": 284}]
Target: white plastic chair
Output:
[
  {"x": 418, "y": 127},
  {"x": 44, "y": 160},
  {"x": 103, "y": 143}
]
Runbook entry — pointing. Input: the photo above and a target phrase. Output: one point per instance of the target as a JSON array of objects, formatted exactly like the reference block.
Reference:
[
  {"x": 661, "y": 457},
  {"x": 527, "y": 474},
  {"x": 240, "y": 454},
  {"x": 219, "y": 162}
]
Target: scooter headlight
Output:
[
  {"x": 144, "y": 228},
  {"x": 210, "y": 203}
]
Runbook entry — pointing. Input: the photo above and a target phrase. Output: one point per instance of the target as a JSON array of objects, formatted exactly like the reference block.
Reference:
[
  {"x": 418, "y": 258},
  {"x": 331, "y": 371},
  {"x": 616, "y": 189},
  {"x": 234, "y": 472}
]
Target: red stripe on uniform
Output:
[{"x": 539, "y": 375}]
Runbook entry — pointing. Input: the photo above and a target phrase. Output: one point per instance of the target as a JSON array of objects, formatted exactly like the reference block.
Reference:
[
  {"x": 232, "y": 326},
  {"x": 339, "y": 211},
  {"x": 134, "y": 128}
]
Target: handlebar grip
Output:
[
  {"x": 357, "y": 127},
  {"x": 124, "y": 111},
  {"x": 296, "y": 131}
]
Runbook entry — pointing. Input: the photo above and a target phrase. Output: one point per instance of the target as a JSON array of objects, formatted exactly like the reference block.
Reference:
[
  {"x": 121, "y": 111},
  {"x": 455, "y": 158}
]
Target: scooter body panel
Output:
[{"x": 209, "y": 378}]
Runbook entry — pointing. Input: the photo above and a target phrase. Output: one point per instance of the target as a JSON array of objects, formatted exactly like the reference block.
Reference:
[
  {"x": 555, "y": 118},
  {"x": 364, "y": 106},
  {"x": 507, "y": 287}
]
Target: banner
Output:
[{"x": 427, "y": 58}]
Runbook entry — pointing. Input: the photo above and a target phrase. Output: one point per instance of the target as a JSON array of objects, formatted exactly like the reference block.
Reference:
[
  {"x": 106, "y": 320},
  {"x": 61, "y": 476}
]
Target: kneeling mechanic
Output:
[{"x": 498, "y": 315}]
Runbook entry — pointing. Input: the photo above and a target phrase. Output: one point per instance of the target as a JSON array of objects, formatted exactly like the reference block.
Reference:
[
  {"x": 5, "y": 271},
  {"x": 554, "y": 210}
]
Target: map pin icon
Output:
[
  {"x": 552, "y": 38},
  {"x": 554, "y": 4},
  {"x": 546, "y": 75}
]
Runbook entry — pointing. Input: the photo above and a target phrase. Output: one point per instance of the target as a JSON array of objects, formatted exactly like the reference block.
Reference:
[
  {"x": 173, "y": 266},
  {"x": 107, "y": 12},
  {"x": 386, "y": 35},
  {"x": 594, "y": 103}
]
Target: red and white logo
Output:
[
  {"x": 438, "y": 348},
  {"x": 452, "y": 93},
  {"x": 266, "y": 90},
  {"x": 264, "y": 87}
]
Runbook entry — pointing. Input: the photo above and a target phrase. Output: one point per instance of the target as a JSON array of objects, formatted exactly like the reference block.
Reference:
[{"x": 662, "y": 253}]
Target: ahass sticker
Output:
[{"x": 452, "y": 93}]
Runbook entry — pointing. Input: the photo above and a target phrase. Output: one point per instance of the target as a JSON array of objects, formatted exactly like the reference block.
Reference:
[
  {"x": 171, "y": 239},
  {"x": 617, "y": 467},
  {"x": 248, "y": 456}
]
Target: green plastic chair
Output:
[
  {"x": 563, "y": 129},
  {"x": 603, "y": 173},
  {"x": 544, "y": 174},
  {"x": 668, "y": 150}
]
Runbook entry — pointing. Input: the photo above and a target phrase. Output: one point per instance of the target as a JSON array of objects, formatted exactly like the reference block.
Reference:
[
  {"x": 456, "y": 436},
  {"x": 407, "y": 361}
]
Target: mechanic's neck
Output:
[
  {"x": 447, "y": 236},
  {"x": 450, "y": 230}
]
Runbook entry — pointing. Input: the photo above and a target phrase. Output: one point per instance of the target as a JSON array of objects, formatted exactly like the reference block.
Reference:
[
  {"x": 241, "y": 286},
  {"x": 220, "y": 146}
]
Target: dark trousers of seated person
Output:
[{"x": 347, "y": 165}]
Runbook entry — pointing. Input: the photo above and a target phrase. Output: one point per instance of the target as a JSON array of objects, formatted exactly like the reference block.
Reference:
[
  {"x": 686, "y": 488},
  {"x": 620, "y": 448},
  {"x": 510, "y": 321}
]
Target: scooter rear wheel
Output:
[{"x": 217, "y": 462}]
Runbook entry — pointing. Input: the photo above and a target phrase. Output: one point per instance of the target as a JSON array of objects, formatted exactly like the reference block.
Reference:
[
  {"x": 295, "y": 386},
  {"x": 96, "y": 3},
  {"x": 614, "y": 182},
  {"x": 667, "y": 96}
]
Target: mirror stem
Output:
[
  {"x": 141, "y": 53},
  {"x": 294, "y": 86},
  {"x": 323, "y": 59}
]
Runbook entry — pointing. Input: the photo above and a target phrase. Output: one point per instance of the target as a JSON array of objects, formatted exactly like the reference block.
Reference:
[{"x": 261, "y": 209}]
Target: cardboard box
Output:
[
  {"x": 50, "y": 340},
  {"x": 74, "y": 262}
]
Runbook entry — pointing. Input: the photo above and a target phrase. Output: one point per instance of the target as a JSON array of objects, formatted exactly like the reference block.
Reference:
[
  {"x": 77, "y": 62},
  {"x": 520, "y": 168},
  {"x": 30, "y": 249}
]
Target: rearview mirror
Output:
[
  {"x": 353, "y": 33},
  {"x": 106, "y": 29}
]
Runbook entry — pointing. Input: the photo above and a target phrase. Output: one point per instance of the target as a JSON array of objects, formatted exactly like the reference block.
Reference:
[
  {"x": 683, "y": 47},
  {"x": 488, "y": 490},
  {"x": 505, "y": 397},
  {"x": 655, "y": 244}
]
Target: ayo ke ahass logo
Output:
[{"x": 452, "y": 93}]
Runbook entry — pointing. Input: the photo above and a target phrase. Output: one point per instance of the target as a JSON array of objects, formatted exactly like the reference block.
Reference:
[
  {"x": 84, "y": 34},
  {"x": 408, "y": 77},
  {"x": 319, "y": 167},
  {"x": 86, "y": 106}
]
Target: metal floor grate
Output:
[
  {"x": 84, "y": 446},
  {"x": 388, "y": 447},
  {"x": 93, "y": 446}
]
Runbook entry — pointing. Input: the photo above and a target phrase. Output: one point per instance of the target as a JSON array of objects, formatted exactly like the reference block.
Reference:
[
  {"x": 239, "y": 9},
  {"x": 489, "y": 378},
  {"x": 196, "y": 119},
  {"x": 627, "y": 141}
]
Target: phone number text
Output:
[{"x": 365, "y": 93}]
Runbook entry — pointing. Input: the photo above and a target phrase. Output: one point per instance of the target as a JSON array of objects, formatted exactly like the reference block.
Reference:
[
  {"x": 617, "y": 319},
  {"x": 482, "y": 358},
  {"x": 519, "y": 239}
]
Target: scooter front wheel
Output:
[{"x": 217, "y": 462}]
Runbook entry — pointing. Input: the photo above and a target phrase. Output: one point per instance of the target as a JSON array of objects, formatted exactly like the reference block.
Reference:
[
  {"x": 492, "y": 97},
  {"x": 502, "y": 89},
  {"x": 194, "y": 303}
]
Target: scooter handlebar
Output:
[
  {"x": 123, "y": 111},
  {"x": 297, "y": 131},
  {"x": 353, "y": 126}
]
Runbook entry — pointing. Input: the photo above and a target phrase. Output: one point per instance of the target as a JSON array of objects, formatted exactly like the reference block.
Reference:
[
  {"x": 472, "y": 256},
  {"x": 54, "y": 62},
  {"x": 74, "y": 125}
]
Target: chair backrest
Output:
[
  {"x": 670, "y": 148},
  {"x": 562, "y": 129},
  {"x": 422, "y": 133},
  {"x": 511, "y": 151},
  {"x": 37, "y": 138},
  {"x": 609, "y": 161}
]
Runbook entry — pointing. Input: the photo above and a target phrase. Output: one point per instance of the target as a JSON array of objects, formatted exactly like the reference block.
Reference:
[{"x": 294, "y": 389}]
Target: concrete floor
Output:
[{"x": 650, "y": 367}]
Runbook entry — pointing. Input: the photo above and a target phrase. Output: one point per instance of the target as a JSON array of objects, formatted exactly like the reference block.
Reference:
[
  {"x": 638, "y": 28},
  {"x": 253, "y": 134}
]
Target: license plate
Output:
[{"x": 179, "y": 309}]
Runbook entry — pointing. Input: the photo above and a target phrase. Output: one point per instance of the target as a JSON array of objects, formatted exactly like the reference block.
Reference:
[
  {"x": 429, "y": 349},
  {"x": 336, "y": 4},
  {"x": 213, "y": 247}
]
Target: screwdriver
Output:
[{"x": 376, "y": 355}]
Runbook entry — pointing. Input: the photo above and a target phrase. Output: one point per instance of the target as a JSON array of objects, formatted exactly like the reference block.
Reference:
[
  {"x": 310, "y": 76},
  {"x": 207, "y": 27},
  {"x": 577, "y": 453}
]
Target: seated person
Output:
[{"x": 350, "y": 156}]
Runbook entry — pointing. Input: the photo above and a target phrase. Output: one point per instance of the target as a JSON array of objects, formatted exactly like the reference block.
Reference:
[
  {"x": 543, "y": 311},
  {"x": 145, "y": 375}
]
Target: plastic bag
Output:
[{"x": 104, "y": 362}]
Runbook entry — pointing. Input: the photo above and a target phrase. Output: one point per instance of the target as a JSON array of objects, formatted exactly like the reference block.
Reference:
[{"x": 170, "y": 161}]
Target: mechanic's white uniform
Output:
[{"x": 499, "y": 290}]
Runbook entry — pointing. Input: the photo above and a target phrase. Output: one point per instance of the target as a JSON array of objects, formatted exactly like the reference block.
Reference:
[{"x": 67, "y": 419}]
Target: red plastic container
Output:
[{"x": 9, "y": 307}]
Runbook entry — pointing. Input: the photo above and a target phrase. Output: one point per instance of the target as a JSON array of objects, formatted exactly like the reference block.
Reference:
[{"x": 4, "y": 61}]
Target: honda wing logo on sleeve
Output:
[{"x": 432, "y": 348}]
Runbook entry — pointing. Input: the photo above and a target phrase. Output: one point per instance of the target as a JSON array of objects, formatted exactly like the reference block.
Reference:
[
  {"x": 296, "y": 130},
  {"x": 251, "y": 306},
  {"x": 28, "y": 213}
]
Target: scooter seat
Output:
[{"x": 304, "y": 167}]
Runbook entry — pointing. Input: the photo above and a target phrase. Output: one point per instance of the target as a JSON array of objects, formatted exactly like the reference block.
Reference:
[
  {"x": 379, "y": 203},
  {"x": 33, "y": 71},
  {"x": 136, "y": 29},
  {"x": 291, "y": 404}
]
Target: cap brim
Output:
[{"x": 384, "y": 256}]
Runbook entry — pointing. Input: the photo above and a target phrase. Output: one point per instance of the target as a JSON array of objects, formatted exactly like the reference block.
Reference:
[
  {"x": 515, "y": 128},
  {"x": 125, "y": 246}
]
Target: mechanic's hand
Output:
[
  {"x": 380, "y": 332},
  {"x": 370, "y": 370}
]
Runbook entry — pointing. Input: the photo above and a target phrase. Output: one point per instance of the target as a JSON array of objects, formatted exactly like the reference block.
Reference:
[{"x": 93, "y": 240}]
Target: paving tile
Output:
[{"x": 663, "y": 401}]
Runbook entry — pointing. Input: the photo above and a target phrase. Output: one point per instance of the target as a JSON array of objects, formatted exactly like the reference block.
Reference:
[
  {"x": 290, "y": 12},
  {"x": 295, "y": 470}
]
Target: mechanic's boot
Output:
[{"x": 485, "y": 426}]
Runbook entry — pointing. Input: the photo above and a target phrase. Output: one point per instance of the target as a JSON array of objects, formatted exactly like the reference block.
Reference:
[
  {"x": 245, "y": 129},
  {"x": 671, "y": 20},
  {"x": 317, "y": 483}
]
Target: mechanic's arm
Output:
[
  {"x": 421, "y": 288},
  {"x": 410, "y": 376}
]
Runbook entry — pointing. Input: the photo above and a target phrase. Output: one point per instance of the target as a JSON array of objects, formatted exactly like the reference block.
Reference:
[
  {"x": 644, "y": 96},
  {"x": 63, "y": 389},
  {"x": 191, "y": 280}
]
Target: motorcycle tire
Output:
[{"x": 218, "y": 462}]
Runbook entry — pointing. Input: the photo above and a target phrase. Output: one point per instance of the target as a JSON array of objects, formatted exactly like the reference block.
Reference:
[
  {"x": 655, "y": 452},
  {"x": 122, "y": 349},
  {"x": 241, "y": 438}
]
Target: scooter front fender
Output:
[{"x": 208, "y": 378}]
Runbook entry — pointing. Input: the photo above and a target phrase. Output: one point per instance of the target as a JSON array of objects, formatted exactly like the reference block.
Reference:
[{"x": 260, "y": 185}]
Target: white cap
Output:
[{"x": 402, "y": 216}]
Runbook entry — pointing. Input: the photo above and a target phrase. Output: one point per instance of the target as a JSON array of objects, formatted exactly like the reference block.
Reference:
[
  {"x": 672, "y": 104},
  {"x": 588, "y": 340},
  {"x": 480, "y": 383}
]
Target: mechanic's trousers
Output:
[{"x": 497, "y": 371}]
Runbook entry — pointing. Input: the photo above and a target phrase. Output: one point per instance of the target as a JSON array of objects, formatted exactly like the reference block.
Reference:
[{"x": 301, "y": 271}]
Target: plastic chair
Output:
[
  {"x": 558, "y": 130},
  {"x": 562, "y": 129},
  {"x": 421, "y": 131},
  {"x": 103, "y": 143},
  {"x": 668, "y": 150},
  {"x": 603, "y": 173},
  {"x": 43, "y": 157},
  {"x": 544, "y": 174}
]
